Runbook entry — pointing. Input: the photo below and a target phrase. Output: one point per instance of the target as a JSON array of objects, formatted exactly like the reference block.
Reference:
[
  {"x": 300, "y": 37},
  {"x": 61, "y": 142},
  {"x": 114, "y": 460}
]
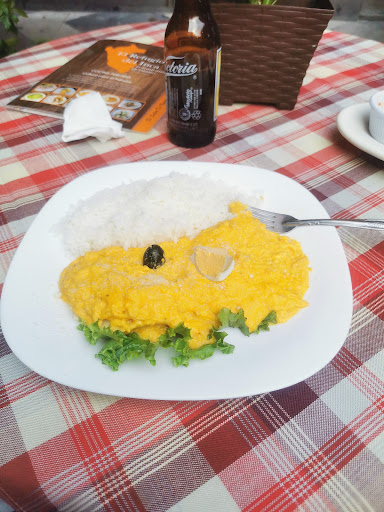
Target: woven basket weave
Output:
[{"x": 267, "y": 49}]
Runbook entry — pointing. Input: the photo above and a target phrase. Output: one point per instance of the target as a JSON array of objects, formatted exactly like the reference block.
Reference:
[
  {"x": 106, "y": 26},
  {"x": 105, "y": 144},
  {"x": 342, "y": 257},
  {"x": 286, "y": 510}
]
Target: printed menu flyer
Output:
[{"x": 129, "y": 76}]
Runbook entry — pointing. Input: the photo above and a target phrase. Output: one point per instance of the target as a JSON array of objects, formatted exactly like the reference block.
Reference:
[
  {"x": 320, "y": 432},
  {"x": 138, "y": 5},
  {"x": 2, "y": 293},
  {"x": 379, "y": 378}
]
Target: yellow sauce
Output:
[{"x": 111, "y": 285}]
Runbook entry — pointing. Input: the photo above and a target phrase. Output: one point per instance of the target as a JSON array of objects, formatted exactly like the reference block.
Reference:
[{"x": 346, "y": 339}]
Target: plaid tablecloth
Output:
[{"x": 317, "y": 446}]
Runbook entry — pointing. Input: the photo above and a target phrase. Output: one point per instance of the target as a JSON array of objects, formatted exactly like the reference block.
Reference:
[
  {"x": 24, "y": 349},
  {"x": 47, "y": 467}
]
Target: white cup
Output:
[{"x": 376, "y": 116}]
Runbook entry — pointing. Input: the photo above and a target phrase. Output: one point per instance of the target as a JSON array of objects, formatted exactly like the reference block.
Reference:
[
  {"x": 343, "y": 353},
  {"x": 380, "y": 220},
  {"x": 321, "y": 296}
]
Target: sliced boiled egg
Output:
[{"x": 214, "y": 263}]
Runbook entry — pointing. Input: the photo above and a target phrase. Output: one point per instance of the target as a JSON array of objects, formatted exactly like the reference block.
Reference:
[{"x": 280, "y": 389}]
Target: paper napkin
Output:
[{"x": 88, "y": 116}]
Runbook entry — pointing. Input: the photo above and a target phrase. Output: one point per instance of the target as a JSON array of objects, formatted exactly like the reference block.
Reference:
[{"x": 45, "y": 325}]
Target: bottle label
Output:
[
  {"x": 192, "y": 83},
  {"x": 217, "y": 82},
  {"x": 175, "y": 66}
]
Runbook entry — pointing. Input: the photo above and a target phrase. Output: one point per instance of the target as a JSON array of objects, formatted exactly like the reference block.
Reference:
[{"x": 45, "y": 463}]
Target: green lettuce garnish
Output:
[
  {"x": 264, "y": 325},
  {"x": 229, "y": 319},
  {"x": 177, "y": 337},
  {"x": 119, "y": 347}
]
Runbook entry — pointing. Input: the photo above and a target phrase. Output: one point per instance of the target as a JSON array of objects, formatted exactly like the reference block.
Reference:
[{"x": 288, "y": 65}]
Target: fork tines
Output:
[
  {"x": 267, "y": 218},
  {"x": 262, "y": 213}
]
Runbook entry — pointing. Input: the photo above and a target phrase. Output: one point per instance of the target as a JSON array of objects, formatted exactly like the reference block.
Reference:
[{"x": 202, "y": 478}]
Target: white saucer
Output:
[{"x": 353, "y": 124}]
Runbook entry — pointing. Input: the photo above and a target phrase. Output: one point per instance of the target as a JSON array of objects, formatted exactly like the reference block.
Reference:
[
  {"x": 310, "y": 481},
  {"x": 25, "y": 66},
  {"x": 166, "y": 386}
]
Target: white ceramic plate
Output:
[
  {"x": 353, "y": 124},
  {"x": 41, "y": 330}
]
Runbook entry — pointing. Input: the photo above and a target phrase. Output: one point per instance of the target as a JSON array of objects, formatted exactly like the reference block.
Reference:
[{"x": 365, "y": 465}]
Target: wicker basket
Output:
[{"x": 267, "y": 49}]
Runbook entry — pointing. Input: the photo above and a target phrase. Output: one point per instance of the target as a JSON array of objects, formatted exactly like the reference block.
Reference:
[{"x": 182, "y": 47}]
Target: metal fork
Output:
[{"x": 281, "y": 223}]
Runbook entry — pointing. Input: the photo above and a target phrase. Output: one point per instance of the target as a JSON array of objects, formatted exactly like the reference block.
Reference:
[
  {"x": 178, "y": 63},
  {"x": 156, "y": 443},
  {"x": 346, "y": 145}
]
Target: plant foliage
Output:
[
  {"x": 262, "y": 2},
  {"x": 9, "y": 18}
]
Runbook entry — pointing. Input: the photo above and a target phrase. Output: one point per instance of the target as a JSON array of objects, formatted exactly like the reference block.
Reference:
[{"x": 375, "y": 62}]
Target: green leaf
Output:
[
  {"x": 269, "y": 319},
  {"x": 149, "y": 353},
  {"x": 226, "y": 348},
  {"x": 93, "y": 332},
  {"x": 223, "y": 346},
  {"x": 118, "y": 346},
  {"x": 218, "y": 335},
  {"x": 180, "y": 361},
  {"x": 229, "y": 319},
  {"x": 186, "y": 353},
  {"x": 7, "y": 24},
  {"x": 9, "y": 19},
  {"x": 173, "y": 334},
  {"x": 262, "y": 2},
  {"x": 21, "y": 13},
  {"x": 114, "y": 352},
  {"x": 178, "y": 338}
]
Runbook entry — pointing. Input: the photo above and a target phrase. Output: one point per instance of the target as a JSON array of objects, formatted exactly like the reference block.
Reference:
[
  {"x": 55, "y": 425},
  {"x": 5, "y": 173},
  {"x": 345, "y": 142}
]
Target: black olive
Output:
[{"x": 153, "y": 256}]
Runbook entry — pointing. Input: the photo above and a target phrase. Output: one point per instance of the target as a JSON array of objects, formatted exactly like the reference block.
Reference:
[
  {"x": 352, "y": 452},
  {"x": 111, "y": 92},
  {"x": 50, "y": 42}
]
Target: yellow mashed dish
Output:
[{"x": 111, "y": 291}]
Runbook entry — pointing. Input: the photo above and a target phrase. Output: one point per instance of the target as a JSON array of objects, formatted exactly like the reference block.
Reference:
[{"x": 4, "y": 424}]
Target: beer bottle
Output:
[{"x": 192, "y": 71}]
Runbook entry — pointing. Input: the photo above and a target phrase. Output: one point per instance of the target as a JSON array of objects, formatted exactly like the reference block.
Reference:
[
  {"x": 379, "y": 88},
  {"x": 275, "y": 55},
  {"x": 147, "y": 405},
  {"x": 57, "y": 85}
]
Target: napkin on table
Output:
[{"x": 88, "y": 116}]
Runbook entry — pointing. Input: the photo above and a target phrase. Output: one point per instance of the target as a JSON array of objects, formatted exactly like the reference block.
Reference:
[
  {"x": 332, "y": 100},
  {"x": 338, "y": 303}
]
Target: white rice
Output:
[{"x": 145, "y": 212}]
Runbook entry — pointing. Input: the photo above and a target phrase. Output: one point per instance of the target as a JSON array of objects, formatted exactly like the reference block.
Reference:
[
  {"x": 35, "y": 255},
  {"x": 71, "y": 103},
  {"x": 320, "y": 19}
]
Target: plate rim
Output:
[{"x": 88, "y": 175}]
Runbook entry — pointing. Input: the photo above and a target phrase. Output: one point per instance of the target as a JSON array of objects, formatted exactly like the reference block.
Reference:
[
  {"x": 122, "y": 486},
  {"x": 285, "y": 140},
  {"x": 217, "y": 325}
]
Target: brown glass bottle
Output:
[{"x": 192, "y": 71}]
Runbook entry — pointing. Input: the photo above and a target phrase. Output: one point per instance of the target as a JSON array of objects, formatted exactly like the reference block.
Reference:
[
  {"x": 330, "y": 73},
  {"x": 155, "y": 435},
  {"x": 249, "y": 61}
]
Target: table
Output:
[{"x": 316, "y": 446}]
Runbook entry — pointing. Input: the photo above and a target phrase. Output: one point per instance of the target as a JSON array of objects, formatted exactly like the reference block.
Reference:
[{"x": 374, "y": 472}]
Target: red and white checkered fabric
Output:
[{"x": 317, "y": 446}]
